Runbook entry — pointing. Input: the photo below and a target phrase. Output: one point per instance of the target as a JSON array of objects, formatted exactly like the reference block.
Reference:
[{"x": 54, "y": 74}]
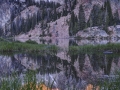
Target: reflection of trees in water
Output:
[
  {"x": 116, "y": 60},
  {"x": 69, "y": 70},
  {"x": 97, "y": 61},
  {"x": 9, "y": 65},
  {"x": 102, "y": 62},
  {"x": 108, "y": 60},
  {"x": 81, "y": 60},
  {"x": 73, "y": 58},
  {"x": 73, "y": 55},
  {"x": 16, "y": 65},
  {"x": 47, "y": 63}
]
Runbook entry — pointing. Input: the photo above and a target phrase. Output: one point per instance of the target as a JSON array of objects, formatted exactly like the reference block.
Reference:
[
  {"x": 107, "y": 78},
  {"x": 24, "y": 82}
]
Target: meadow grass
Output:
[
  {"x": 113, "y": 48},
  {"x": 27, "y": 47}
]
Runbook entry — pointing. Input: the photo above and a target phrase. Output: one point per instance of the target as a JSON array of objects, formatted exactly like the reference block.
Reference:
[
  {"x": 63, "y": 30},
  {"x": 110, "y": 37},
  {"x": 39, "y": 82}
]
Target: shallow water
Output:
[{"x": 78, "y": 71}]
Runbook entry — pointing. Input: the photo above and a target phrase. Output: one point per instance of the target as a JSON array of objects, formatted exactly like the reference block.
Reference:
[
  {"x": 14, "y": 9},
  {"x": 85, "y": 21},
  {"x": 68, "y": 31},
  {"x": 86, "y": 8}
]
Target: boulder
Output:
[{"x": 94, "y": 32}]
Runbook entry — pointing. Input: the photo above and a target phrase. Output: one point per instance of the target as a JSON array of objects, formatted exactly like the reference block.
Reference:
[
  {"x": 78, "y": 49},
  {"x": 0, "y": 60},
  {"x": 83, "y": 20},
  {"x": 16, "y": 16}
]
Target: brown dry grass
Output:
[
  {"x": 33, "y": 86},
  {"x": 91, "y": 87}
]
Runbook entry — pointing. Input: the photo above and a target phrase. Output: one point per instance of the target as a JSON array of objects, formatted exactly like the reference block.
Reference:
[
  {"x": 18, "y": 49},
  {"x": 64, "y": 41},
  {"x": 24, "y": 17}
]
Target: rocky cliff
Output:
[{"x": 44, "y": 19}]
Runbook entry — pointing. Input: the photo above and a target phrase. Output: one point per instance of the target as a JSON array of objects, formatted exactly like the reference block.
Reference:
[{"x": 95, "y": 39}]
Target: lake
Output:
[{"x": 78, "y": 71}]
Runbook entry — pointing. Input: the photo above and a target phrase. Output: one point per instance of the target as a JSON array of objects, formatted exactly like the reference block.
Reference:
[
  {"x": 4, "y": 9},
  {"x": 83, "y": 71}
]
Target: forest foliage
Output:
[
  {"x": 48, "y": 11},
  {"x": 99, "y": 16}
]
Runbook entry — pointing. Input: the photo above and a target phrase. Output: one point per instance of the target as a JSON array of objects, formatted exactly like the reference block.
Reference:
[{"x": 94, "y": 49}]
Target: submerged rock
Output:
[{"x": 108, "y": 52}]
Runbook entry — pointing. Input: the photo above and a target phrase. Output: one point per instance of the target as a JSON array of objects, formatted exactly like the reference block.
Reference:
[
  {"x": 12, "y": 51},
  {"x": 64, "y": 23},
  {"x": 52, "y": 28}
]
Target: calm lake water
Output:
[{"x": 78, "y": 71}]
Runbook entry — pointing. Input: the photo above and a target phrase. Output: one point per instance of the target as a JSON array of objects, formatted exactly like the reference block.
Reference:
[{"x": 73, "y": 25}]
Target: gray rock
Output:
[{"x": 92, "y": 32}]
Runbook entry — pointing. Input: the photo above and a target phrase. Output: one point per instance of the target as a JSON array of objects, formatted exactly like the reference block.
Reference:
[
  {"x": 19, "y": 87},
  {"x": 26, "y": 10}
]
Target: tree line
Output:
[
  {"x": 47, "y": 12},
  {"x": 100, "y": 16}
]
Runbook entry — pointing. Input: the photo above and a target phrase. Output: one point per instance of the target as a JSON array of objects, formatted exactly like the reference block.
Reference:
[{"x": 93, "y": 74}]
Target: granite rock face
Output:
[
  {"x": 8, "y": 7},
  {"x": 95, "y": 32}
]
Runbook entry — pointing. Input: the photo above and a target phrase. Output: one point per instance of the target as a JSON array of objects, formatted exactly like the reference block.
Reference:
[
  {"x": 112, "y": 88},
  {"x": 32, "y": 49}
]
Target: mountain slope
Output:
[{"x": 30, "y": 19}]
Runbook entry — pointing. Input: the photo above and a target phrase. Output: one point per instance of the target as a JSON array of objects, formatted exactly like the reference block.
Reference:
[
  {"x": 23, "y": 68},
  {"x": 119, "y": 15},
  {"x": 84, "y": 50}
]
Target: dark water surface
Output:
[{"x": 67, "y": 71}]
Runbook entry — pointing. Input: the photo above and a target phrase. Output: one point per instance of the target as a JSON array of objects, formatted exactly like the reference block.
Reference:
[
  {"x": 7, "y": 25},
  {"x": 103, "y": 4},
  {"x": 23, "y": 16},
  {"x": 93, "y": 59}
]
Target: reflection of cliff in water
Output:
[
  {"x": 104, "y": 62},
  {"x": 43, "y": 63},
  {"x": 22, "y": 62},
  {"x": 77, "y": 71},
  {"x": 8, "y": 65},
  {"x": 48, "y": 63}
]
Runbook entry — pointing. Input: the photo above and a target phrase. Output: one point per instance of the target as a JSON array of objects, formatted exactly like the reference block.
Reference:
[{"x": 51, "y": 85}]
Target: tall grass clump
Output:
[
  {"x": 110, "y": 85},
  {"x": 27, "y": 82},
  {"x": 10, "y": 83}
]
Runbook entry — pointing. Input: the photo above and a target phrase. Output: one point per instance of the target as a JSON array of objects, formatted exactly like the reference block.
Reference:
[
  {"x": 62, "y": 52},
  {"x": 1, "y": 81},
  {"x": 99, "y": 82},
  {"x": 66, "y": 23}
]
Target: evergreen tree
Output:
[
  {"x": 116, "y": 17},
  {"x": 28, "y": 24},
  {"x": 65, "y": 12},
  {"x": 22, "y": 25},
  {"x": 73, "y": 5},
  {"x": 73, "y": 25},
  {"x": 97, "y": 16},
  {"x": 109, "y": 10},
  {"x": 65, "y": 1},
  {"x": 34, "y": 21},
  {"x": 90, "y": 22},
  {"x": 43, "y": 14},
  {"x": 55, "y": 15},
  {"x": 73, "y": 18},
  {"x": 38, "y": 17},
  {"x": 106, "y": 20},
  {"x": 81, "y": 18}
]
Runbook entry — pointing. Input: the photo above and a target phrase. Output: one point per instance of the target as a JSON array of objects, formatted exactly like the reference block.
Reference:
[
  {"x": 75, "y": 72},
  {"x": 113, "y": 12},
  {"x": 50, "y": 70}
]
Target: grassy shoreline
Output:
[
  {"x": 107, "y": 48},
  {"x": 32, "y": 46},
  {"x": 27, "y": 47}
]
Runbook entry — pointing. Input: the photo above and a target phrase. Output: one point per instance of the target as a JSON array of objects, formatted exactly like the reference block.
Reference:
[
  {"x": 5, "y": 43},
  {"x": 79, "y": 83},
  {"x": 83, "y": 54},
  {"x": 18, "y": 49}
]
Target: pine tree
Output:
[
  {"x": 38, "y": 17},
  {"x": 65, "y": 1},
  {"x": 90, "y": 22},
  {"x": 55, "y": 15},
  {"x": 106, "y": 20},
  {"x": 109, "y": 12},
  {"x": 116, "y": 18},
  {"x": 74, "y": 3},
  {"x": 95, "y": 15},
  {"x": 81, "y": 18},
  {"x": 73, "y": 18},
  {"x": 71, "y": 25},
  {"x": 34, "y": 21},
  {"x": 108, "y": 16}
]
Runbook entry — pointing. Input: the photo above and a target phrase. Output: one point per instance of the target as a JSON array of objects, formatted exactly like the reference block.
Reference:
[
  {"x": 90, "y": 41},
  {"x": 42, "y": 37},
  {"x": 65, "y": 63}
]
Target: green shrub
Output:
[{"x": 31, "y": 42}]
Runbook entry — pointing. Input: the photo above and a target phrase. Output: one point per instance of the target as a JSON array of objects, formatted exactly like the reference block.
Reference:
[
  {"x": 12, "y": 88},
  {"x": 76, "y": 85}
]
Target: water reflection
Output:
[
  {"x": 81, "y": 60},
  {"x": 75, "y": 73}
]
